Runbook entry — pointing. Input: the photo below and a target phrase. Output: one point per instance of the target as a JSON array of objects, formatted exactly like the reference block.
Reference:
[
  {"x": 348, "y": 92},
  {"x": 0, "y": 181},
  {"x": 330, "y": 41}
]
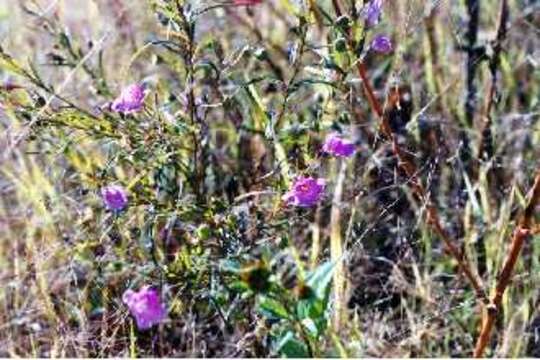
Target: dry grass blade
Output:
[{"x": 336, "y": 251}]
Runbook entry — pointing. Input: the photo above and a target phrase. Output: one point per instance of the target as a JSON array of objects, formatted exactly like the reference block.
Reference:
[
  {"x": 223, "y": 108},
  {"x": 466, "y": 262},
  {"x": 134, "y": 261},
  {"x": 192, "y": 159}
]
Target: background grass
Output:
[{"x": 205, "y": 189}]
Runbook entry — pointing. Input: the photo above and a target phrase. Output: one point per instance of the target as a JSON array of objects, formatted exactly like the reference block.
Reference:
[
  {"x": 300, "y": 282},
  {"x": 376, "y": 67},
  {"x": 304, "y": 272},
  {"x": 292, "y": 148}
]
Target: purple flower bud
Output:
[
  {"x": 336, "y": 146},
  {"x": 382, "y": 44},
  {"x": 372, "y": 12},
  {"x": 145, "y": 306},
  {"x": 130, "y": 100},
  {"x": 115, "y": 197},
  {"x": 305, "y": 192}
]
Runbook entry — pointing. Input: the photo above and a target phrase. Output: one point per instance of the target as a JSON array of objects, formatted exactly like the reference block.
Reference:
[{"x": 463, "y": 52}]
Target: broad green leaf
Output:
[
  {"x": 311, "y": 308},
  {"x": 291, "y": 347},
  {"x": 319, "y": 279},
  {"x": 272, "y": 309}
]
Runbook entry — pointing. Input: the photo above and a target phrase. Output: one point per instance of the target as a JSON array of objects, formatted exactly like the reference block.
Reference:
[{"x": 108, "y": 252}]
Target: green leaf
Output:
[
  {"x": 291, "y": 347},
  {"x": 76, "y": 119},
  {"x": 240, "y": 287},
  {"x": 313, "y": 308},
  {"x": 320, "y": 278},
  {"x": 272, "y": 309}
]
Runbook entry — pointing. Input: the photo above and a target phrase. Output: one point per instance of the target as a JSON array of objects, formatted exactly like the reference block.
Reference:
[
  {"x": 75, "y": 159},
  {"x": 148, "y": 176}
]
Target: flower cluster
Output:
[{"x": 307, "y": 191}]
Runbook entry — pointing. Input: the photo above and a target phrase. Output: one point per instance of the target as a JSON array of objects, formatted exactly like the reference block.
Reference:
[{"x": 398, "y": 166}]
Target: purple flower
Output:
[
  {"x": 130, "y": 100},
  {"x": 336, "y": 146},
  {"x": 145, "y": 306},
  {"x": 382, "y": 44},
  {"x": 372, "y": 12},
  {"x": 115, "y": 197},
  {"x": 305, "y": 192}
]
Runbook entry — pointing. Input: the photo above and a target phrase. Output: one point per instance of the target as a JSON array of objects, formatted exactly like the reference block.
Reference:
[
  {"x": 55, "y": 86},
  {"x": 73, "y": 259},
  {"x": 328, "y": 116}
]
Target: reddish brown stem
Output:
[
  {"x": 521, "y": 233},
  {"x": 373, "y": 102},
  {"x": 409, "y": 168}
]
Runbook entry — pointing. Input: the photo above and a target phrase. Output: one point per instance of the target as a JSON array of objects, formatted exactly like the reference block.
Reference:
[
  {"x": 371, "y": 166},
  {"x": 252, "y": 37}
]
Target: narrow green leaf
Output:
[{"x": 11, "y": 66}]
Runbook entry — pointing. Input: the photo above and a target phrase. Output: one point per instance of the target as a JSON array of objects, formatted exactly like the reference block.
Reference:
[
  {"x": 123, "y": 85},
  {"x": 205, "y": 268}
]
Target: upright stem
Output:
[
  {"x": 521, "y": 233},
  {"x": 198, "y": 153}
]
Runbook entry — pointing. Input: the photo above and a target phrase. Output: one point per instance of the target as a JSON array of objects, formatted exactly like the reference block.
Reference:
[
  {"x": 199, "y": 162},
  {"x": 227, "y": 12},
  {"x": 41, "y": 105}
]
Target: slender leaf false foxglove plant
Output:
[{"x": 235, "y": 145}]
